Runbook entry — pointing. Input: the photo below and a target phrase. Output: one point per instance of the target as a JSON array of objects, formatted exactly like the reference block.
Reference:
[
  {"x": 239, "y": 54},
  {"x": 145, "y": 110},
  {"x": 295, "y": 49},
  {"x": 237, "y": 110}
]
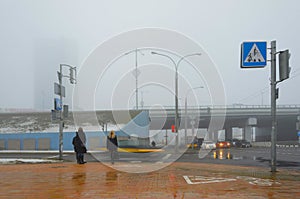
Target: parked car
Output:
[
  {"x": 208, "y": 145},
  {"x": 243, "y": 144},
  {"x": 223, "y": 144}
]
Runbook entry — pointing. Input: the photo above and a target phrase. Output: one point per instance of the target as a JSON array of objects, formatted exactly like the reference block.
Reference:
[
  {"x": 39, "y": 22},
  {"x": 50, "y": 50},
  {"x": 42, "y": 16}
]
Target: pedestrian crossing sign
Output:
[{"x": 253, "y": 54}]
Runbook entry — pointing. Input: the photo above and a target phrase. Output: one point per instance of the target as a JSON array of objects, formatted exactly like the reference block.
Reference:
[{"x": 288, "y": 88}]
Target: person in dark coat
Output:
[
  {"x": 112, "y": 145},
  {"x": 79, "y": 142}
]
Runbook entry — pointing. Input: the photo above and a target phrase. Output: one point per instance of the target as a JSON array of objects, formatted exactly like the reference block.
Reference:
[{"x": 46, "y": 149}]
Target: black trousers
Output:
[{"x": 79, "y": 158}]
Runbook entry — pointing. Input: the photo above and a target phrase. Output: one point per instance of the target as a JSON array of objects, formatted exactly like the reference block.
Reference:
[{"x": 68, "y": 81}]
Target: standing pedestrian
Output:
[
  {"x": 112, "y": 145},
  {"x": 79, "y": 142}
]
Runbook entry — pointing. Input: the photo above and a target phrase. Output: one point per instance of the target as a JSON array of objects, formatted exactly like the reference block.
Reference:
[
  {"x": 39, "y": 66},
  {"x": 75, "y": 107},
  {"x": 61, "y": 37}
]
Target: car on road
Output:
[
  {"x": 196, "y": 143},
  {"x": 243, "y": 144},
  {"x": 233, "y": 142},
  {"x": 208, "y": 145},
  {"x": 223, "y": 144}
]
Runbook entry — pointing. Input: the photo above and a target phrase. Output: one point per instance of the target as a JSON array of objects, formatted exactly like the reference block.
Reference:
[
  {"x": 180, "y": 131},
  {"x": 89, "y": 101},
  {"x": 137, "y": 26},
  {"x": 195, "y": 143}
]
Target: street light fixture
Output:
[{"x": 176, "y": 64}]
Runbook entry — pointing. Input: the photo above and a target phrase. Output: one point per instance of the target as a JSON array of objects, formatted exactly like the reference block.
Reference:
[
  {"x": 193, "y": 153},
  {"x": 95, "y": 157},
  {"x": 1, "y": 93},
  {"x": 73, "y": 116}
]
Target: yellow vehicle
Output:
[
  {"x": 197, "y": 142},
  {"x": 191, "y": 145}
]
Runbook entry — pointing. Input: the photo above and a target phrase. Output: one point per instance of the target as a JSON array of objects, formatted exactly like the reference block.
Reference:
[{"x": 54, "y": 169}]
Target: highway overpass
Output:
[{"x": 250, "y": 118}]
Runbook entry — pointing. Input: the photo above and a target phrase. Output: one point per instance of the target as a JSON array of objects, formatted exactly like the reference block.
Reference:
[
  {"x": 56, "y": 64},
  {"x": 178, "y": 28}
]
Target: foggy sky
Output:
[{"x": 36, "y": 36}]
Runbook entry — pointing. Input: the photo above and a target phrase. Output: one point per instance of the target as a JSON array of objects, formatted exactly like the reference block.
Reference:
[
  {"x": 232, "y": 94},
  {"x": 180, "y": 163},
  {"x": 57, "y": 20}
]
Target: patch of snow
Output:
[
  {"x": 21, "y": 160},
  {"x": 27, "y": 123}
]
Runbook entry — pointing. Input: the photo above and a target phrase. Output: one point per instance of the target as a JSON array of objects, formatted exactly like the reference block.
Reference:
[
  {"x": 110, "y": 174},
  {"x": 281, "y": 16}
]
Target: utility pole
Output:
[
  {"x": 253, "y": 55},
  {"x": 273, "y": 107},
  {"x": 61, "y": 92},
  {"x": 136, "y": 81},
  {"x": 61, "y": 119}
]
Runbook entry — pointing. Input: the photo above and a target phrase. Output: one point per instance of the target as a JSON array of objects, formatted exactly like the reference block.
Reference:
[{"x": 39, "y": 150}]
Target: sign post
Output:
[
  {"x": 59, "y": 89},
  {"x": 273, "y": 107},
  {"x": 254, "y": 55}
]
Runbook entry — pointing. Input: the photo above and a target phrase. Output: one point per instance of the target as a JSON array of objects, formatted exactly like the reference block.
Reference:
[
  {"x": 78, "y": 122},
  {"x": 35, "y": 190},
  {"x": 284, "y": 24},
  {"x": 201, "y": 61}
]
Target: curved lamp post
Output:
[{"x": 176, "y": 64}]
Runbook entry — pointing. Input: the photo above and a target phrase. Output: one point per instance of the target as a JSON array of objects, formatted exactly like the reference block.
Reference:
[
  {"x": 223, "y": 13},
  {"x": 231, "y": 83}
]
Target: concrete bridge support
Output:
[
  {"x": 228, "y": 133},
  {"x": 249, "y": 129},
  {"x": 248, "y": 133}
]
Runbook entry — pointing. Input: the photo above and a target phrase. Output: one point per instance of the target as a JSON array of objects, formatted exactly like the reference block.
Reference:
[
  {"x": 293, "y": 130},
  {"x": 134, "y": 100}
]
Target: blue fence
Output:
[
  {"x": 138, "y": 126},
  {"x": 47, "y": 141}
]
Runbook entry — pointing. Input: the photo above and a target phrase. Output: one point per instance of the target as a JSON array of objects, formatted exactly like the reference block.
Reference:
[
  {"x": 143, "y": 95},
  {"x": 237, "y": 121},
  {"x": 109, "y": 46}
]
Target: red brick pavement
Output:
[{"x": 95, "y": 180}]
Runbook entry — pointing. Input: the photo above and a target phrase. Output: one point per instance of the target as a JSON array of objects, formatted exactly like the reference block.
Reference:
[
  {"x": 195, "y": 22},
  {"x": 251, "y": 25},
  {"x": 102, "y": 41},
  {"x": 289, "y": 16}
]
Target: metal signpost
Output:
[
  {"x": 273, "y": 107},
  {"x": 60, "y": 109},
  {"x": 254, "y": 55}
]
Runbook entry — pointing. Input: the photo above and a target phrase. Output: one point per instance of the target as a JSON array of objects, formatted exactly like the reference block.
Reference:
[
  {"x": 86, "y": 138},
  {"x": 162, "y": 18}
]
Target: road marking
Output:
[
  {"x": 205, "y": 180},
  {"x": 250, "y": 180},
  {"x": 166, "y": 156},
  {"x": 258, "y": 181},
  {"x": 263, "y": 182},
  {"x": 127, "y": 165},
  {"x": 135, "y": 161}
]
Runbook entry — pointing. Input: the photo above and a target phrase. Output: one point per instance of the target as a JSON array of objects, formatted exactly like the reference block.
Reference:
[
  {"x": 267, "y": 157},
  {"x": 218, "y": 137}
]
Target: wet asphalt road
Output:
[{"x": 286, "y": 157}]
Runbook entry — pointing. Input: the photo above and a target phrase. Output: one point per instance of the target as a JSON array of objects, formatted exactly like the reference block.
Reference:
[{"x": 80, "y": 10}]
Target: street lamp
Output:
[
  {"x": 136, "y": 74},
  {"x": 185, "y": 108},
  {"x": 176, "y": 64}
]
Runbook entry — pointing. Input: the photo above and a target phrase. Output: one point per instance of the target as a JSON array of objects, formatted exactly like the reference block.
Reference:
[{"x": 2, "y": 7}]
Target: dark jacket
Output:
[
  {"x": 112, "y": 143},
  {"x": 79, "y": 144}
]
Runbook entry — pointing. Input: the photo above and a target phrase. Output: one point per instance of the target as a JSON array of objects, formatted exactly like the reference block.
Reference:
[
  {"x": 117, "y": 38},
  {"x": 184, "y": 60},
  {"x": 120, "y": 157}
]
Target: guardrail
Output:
[
  {"x": 281, "y": 144},
  {"x": 234, "y": 106}
]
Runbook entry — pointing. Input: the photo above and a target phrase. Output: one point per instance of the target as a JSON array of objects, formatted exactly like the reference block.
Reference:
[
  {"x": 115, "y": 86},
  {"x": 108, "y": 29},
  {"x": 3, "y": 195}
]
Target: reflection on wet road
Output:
[
  {"x": 222, "y": 154},
  {"x": 286, "y": 157},
  {"x": 178, "y": 180},
  {"x": 111, "y": 177}
]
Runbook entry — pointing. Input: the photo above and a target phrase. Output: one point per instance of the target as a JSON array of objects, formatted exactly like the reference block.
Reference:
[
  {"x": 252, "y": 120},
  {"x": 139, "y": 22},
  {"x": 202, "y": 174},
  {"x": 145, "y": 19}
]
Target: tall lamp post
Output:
[
  {"x": 185, "y": 110},
  {"x": 176, "y": 64},
  {"x": 136, "y": 73}
]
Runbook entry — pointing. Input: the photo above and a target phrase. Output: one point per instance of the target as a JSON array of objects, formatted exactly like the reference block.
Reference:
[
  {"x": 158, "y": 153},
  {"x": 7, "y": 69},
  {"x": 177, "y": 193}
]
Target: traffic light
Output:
[
  {"x": 284, "y": 68},
  {"x": 66, "y": 111},
  {"x": 173, "y": 128},
  {"x": 72, "y": 75},
  {"x": 298, "y": 123}
]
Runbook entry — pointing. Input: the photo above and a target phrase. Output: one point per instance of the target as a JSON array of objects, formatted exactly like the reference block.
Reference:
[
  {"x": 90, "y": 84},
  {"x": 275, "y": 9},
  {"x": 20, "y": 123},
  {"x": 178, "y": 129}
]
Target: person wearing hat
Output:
[{"x": 79, "y": 142}]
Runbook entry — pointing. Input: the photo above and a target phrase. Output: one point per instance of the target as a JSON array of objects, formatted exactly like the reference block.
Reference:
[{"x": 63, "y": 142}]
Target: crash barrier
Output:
[
  {"x": 281, "y": 144},
  {"x": 261, "y": 144}
]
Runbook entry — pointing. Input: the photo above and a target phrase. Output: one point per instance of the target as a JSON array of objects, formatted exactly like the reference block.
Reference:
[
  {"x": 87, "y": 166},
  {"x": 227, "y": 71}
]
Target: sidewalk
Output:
[{"x": 178, "y": 180}]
